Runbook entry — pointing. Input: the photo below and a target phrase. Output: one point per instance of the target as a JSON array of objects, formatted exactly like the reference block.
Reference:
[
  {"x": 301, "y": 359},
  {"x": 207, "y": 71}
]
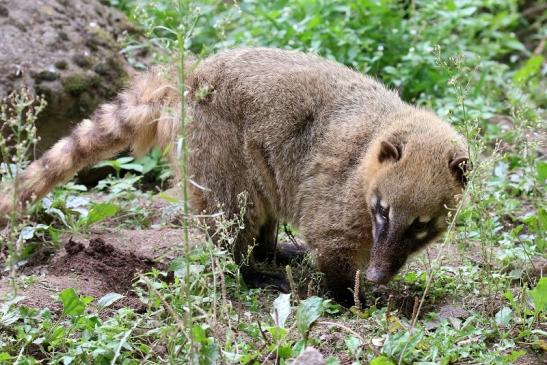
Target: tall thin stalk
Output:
[{"x": 183, "y": 34}]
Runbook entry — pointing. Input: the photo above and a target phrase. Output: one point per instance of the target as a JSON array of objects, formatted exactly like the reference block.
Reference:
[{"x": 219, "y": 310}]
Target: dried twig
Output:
[
  {"x": 415, "y": 309},
  {"x": 294, "y": 289}
]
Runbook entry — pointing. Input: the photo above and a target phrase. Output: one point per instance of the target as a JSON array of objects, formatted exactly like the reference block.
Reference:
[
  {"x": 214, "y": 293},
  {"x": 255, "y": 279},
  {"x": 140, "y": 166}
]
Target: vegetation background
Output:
[{"x": 479, "y": 296}]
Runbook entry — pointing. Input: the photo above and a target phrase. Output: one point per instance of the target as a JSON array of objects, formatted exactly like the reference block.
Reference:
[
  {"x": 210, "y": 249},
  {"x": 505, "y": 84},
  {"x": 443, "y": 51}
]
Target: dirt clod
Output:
[
  {"x": 101, "y": 260},
  {"x": 73, "y": 247}
]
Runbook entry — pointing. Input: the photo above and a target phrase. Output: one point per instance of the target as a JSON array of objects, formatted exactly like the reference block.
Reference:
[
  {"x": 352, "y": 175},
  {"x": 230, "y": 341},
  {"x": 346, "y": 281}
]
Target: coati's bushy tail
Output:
[{"x": 142, "y": 116}]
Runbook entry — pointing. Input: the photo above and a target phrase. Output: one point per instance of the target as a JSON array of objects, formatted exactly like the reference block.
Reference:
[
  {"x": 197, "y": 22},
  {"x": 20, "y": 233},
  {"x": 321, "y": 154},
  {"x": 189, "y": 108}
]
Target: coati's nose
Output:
[{"x": 377, "y": 276}]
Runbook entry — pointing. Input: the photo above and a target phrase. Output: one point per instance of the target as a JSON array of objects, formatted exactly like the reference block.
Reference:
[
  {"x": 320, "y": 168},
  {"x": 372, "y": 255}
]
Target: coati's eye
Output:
[
  {"x": 419, "y": 224},
  {"x": 420, "y": 228},
  {"x": 422, "y": 221}
]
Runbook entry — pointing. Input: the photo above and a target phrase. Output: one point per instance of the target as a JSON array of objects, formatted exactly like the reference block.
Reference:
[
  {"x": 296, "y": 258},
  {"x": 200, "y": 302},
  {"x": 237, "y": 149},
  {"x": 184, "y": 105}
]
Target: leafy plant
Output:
[{"x": 122, "y": 163}]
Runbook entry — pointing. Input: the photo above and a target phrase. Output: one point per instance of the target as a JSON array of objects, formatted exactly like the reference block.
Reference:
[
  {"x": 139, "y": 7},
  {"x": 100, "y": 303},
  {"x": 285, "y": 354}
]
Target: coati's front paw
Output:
[
  {"x": 288, "y": 253},
  {"x": 266, "y": 280},
  {"x": 345, "y": 297}
]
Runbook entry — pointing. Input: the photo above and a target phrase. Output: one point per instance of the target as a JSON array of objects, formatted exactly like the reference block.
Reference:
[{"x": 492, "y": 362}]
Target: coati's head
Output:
[{"x": 413, "y": 174}]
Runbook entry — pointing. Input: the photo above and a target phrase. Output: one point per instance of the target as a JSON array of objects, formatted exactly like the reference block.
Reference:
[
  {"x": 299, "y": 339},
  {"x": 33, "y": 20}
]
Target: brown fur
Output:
[{"x": 309, "y": 141}]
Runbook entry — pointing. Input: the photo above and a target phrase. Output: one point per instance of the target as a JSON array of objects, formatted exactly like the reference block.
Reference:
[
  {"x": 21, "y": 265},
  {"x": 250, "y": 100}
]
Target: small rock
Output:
[
  {"x": 449, "y": 311},
  {"x": 310, "y": 356}
]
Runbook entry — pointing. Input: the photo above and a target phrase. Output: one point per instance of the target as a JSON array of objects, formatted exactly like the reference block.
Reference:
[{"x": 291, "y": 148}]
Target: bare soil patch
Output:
[
  {"x": 94, "y": 265},
  {"x": 102, "y": 261}
]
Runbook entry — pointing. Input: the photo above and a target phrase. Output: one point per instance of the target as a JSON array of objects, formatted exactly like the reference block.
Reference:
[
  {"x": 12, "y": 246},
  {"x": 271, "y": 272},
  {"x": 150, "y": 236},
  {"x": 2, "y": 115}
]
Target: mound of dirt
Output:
[
  {"x": 101, "y": 261},
  {"x": 96, "y": 264}
]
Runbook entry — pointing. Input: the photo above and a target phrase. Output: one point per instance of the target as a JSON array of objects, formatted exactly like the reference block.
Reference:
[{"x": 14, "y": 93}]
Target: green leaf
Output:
[
  {"x": 72, "y": 305},
  {"x": 298, "y": 347},
  {"x": 101, "y": 211},
  {"x": 308, "y": 311},
  {"x": 67, "y": 360},
  {"x": 542, "y": 171},
  {"x": 539, "y": 295},
  {"x": 352, "y": 343},
  {"x": 514, "y": 356},
  {"x": 56, "y": 336},
  {"x": 332, "y": 361},
  {"x": 277, "y": 333},
  {"x": 4, "y": 356},
  {"x": 116, "y": 165},
  {"x": 403, "y": 340},
  {"x": 59, "y": 214},
  {"x": 530, "y": 68},
  {"x": 109, "y": 299},
  {"x": 75, "y": 187},
  {"x": 382, "y": 360},
  {"x": 281, "y": 309},
  {"x": 504, "y": 316},
  {"x": 168, "y": 198},
  {"x": 148, "y": 163},
  {"x": 124, "y": 160},
  {"x": 27, "y": 233},
  {"x": 132, "y": 166}
]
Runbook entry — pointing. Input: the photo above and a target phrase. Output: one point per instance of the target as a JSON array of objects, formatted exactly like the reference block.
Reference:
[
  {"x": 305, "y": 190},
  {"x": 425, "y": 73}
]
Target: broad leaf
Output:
[
  {"x": 308, "y": 311},
  {"x": 382, "y": 360},
  {"x": 101, "y": 211},
  {"x": 109, "y": 299},
  {"x": 281, "y": 309},
  {"x": 504, "y": 316},
  {"x": 539, "y": 295},
  {"x": 72, "y": 304}
]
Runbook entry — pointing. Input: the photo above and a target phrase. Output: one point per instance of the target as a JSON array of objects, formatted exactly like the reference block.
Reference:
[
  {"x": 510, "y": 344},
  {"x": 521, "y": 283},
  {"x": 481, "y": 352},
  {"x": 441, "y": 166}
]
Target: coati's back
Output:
[{"x": 279, "y": 107}]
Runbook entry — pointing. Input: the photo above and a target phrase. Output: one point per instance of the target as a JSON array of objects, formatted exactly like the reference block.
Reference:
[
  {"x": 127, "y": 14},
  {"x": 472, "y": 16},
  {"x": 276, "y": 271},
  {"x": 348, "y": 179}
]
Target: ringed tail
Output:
[{"x": 144, "y": 115}]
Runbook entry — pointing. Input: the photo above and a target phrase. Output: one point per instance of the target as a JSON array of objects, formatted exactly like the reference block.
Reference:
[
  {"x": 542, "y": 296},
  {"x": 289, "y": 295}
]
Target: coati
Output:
[{"x": 366, "y": 177}]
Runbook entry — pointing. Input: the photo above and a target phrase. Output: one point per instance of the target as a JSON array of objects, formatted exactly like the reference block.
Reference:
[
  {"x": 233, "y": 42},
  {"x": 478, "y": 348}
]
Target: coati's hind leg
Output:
[
  {"x": 266, "y": 241},
  {"x": 247, "y": 258},
  {"x": 267, "y": 248}
]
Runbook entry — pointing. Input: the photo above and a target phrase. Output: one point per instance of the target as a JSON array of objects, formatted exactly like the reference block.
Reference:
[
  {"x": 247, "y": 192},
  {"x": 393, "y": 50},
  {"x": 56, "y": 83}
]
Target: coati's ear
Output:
[
  {"x": 390, "y": 151},
  {"x": 459, "y": 166}
]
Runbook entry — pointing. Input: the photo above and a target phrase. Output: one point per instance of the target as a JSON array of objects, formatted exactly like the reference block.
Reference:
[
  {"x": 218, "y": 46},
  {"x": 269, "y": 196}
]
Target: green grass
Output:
[{"x": 477, "y": 297}]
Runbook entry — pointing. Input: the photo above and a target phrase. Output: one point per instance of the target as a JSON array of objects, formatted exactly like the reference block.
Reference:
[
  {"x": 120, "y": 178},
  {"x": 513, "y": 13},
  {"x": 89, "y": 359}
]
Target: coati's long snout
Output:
[{"x": 386, "y": 259}]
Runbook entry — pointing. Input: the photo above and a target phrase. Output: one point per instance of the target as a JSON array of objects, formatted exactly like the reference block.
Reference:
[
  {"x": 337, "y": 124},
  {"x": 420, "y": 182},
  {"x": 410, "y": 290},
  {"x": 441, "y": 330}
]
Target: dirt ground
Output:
[
  {"x": 104, "y": 261},
  {"x": 108, "y": 260}
]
